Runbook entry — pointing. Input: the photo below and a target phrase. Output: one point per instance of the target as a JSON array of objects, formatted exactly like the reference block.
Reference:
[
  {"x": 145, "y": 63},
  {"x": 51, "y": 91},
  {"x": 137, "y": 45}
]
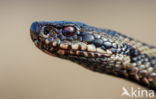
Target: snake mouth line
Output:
[{"x": 78, "y": 49}]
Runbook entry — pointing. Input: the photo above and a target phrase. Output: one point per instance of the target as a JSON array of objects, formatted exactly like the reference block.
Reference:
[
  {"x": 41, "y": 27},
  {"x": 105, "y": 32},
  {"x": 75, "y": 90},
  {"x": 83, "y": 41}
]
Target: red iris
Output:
[{"x": 68, "y": 31}]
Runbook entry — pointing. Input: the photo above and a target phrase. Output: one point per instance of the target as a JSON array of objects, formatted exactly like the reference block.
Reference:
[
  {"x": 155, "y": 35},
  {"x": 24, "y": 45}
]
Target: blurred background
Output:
[{"x": 28, "y": 73}]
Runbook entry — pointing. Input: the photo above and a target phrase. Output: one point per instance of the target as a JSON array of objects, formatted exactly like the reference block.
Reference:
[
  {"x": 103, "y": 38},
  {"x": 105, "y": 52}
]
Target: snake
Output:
[{"x": 101, "y": 50}]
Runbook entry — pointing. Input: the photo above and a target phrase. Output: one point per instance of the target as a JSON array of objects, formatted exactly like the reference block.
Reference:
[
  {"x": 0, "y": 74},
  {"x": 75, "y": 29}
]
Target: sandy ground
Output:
[{"x": 28, "y": 73}]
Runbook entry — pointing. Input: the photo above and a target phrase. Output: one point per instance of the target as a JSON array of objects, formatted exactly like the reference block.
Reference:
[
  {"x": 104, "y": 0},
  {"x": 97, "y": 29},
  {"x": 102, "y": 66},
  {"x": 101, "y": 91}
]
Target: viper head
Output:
[{"x": 60, "y": 38}]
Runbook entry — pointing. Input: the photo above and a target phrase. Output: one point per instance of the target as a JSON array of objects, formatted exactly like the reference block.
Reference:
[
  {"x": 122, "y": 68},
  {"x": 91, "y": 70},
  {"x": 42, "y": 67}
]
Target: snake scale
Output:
[{"x": 100, "y": 50}]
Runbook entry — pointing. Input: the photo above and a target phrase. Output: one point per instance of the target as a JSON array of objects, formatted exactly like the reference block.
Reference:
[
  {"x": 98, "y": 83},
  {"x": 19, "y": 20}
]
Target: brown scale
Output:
[
  {"x": 72, "y": 52},
  {"x": 55, "y": 43},
  {"x": 64, "y": 46},
  {"x": 152, "y": 76},
  {"x": 145, "y": 80},
  {"x": 61, "y": 51},
  {"x": 77, "y": 52}
]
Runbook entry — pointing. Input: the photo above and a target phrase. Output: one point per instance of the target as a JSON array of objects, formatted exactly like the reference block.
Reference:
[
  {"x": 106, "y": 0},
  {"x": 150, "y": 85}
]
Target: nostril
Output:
[{"x": 47, "y": 30}]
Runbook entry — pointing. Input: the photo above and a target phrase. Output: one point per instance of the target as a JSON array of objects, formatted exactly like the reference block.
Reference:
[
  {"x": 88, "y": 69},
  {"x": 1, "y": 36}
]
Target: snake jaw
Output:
[{"x": 73, "y": 48}]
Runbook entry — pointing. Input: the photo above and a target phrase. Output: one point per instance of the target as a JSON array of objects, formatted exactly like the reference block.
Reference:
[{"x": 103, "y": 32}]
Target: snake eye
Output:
[
  {"x": 47, "y": 30},
  {"x": 68, "y": 31}
]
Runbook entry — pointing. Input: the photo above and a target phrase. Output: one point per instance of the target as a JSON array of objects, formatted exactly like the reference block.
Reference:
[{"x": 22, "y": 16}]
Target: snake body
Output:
[{"x": 101, "y": 50}]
